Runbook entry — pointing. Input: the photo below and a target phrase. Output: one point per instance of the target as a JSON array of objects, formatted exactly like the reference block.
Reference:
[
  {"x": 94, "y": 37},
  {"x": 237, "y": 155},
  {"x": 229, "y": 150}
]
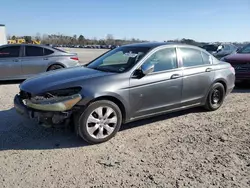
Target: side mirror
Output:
[
  {"x": 219, "y": 48},
  {"x": 147, "y": 68}
]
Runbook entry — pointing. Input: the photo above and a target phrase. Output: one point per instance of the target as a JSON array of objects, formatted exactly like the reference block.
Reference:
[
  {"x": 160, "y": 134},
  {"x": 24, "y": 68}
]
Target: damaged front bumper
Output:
[{"x": 48, "y": 112}]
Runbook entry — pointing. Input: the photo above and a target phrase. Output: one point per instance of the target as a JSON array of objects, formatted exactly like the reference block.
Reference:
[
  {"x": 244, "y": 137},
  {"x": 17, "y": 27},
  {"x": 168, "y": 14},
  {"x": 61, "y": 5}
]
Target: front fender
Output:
[{"x": 122, "y": 97}]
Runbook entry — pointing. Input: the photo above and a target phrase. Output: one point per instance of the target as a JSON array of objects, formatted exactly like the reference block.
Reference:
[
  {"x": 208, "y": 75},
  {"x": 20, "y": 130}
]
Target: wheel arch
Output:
[
  {"x": 57, "y": 63},
  {"x": 219, "y": 80}
]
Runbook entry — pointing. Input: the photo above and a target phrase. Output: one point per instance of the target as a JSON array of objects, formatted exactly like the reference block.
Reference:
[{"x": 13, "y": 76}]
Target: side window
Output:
[
  {"x": 33, "y": 51},
  {"x": 10, "y": 51},
  {"x": 207, "y": 59},
  {"x": 226, "y": 47},
  {"x": 164, "y": 59},
  {"x": 47, "y": 51},
  {"x": 191, "y": 57}
]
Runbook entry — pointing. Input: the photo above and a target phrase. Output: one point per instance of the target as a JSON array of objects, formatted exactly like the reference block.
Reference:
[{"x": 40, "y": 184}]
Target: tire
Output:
[
  {"x": 215, "y": 97},
  {"x": 54, "y": 67},
  {"x": 95, "y": 128}
]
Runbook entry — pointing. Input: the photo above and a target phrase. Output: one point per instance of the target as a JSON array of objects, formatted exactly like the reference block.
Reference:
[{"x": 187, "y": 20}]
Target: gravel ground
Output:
[{"x": 192, "y": 148}]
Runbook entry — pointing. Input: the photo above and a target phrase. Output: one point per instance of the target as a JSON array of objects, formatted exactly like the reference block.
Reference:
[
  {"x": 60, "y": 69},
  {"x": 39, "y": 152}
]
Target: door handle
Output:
[
  {"x": 174, "y": 76},
  {"x": 209, "y": 69},
  {"x": 16, "y": 60},
  {"x": 45, "y": 58}
]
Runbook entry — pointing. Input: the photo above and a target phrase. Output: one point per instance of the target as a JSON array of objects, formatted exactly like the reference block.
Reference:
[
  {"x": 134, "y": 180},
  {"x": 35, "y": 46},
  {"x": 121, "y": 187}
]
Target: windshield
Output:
[
  {"x": 210, "y": 47},
  {"x": 245, "y": 50},
  {"x": 120, "y": 59}
]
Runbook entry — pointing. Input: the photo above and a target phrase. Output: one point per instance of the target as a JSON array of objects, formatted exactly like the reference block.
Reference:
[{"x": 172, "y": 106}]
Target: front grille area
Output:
[
  {"x": 25, "y": 95},
  {"x": 242, "y": 68}
]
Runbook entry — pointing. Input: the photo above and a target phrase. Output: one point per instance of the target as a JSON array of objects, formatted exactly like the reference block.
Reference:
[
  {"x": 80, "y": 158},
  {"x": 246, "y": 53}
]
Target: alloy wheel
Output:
[{"x": 101, "y": 122}]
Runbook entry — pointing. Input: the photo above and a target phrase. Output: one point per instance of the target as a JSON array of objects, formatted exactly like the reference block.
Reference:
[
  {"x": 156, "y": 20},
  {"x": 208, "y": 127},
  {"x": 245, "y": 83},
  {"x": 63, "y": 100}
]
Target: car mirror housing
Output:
[{"x": 147, "y": 68}]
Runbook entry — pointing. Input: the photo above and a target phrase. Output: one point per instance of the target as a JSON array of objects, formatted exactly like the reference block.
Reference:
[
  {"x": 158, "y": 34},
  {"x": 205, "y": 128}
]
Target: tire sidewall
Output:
[
  {"x": 209, "y": 104},
  {"x": 55, "y": 67},
  {"x": 82, "y": 122}
]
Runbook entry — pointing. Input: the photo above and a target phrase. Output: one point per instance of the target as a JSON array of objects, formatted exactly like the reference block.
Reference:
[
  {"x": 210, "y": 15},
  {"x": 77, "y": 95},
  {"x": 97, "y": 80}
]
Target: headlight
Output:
[{"x": 58, "y": 100}]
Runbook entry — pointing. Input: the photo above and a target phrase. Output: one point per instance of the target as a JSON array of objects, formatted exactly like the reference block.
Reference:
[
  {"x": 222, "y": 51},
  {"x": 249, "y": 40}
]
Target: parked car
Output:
[
  {"x": 125, "y": 84},
  {"x": 241, "y": 63},
  {"x": 220, "y": 50},
  {"x": 21, "y": 61}
]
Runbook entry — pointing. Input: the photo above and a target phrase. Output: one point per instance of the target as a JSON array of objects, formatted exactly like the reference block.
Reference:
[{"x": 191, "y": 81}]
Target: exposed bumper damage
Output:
[{"x": 50, "y": 111}]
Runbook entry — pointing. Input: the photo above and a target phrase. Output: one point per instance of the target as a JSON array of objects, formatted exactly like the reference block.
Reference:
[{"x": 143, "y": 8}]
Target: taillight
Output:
[
  {"x": 232, "y": 69},
  {"x": 74, "y": 58}
]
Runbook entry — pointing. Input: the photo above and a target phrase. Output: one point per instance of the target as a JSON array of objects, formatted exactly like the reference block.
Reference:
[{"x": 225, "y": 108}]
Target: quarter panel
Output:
[
  {"x": 64, "y": 60},
  {"x": 196, "y": 82}
]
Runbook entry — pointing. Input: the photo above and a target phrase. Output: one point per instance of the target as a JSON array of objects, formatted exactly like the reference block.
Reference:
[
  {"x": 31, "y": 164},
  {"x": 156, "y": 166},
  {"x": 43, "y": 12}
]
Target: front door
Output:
[
  {"x": 198, "y": 75},
  {"x": 160, "y": 90},
  {"x": 10, "y": 65}
]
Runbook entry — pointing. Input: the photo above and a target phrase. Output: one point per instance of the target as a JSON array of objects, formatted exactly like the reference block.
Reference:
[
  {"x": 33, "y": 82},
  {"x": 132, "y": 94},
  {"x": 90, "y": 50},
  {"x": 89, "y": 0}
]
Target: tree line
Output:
[{"x": 60, "y": 39}]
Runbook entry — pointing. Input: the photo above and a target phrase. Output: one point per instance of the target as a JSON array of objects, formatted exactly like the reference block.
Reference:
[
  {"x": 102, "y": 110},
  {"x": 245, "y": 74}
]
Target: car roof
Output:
[
  {"x": 39, "y": 45},
  {"x": 148, "y": 44},
  {"x": 157, "y": 44},
  {"x": 24, "y": 44}
]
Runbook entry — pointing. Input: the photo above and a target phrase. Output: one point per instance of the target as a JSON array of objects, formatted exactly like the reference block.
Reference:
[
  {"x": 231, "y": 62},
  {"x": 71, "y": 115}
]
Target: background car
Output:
[
  {"x": 125, "y": 84},
  {"x": 220, "y": 50},
  {"x": 21, "y": 61},
  {"x": 241, "y": 63}
]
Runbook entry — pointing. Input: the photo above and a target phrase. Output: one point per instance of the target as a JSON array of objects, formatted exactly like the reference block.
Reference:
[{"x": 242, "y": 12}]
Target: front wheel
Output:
[
  {"x": 99, "y": 122},
  {"x": 215, "y": 97}
]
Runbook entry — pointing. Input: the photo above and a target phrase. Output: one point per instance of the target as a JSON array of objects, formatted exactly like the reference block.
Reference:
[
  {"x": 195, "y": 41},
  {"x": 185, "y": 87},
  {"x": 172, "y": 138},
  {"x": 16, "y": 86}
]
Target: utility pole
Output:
[{"x": 3, "y": 37}]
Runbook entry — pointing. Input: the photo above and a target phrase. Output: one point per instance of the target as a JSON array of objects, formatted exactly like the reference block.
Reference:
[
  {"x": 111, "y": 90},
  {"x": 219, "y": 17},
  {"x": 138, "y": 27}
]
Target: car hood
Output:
[
  {"x": 238, "y": 58},
  {"x": 59, "y": 79}
]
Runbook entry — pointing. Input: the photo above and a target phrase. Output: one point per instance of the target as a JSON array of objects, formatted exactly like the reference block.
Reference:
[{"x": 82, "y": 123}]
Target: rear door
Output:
[
  {"x": 198, "y": 74},
  {"x": 10, "y": 65},
  {"x": 33, "y": 60}
]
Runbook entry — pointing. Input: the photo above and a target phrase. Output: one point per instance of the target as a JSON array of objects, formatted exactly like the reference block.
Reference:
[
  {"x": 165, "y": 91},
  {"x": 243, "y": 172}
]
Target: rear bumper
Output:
[{"x": 229, "y": 90}]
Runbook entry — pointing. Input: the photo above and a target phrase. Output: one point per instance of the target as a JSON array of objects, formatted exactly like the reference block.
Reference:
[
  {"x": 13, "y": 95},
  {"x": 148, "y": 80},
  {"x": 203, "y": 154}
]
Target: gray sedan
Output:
[
  {"x": 128, "y": 83},
  {"x": 21, "y": 61}
]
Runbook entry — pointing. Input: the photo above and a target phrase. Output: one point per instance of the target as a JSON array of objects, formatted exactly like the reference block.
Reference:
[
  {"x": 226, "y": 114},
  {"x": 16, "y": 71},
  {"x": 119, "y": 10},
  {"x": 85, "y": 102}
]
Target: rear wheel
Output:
[
  {"x": 99, "y": 122},
  {"x": 215, "y": 97},
  {"x": 55, "y": 67}
]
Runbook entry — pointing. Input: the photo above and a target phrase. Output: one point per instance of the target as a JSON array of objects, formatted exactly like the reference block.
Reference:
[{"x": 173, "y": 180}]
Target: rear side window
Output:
[
  {"x": 226, "y": 47},
  {"x": 10, "y": 51},
  {"x": 60, "y": 50},
  {"x": 191, "y": 57},
  {"x": 33, "y": 51},
  {"x": 47, "y": 51},
  {"x": 207, "y": 59},
  {"x": 210, "y": 47},
  {"x": 245, "y": 49}
]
